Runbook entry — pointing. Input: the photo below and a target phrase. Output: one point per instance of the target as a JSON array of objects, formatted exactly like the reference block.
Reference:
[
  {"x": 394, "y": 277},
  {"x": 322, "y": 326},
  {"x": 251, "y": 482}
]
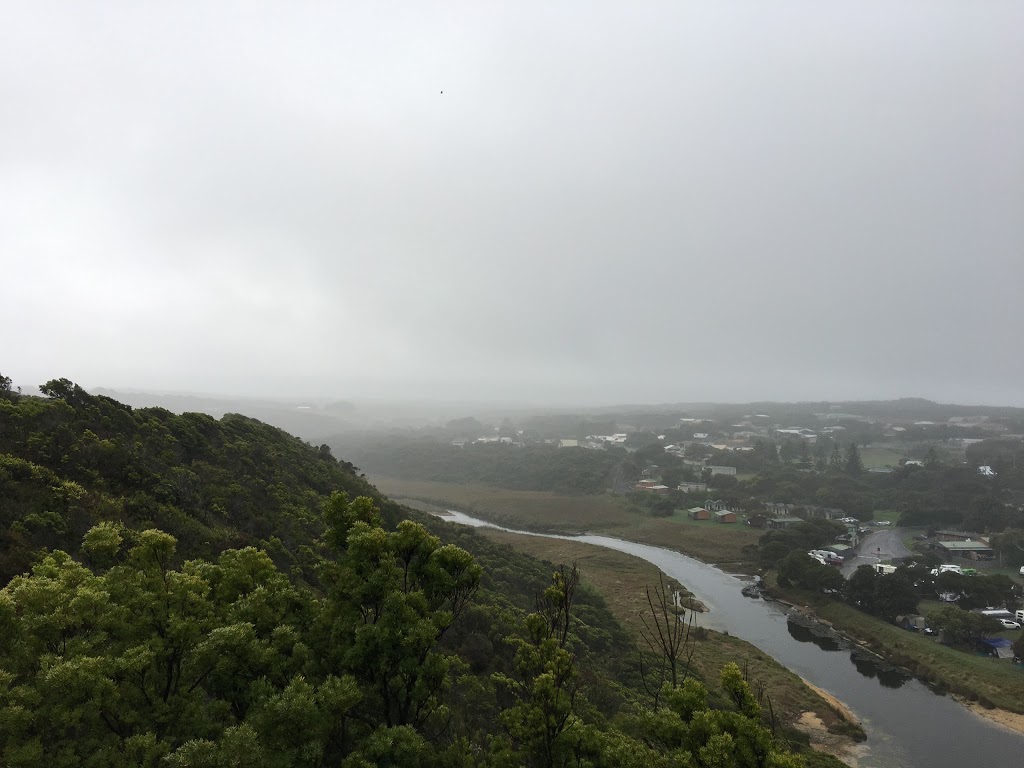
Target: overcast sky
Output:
[{"x": 609, "y": 202}]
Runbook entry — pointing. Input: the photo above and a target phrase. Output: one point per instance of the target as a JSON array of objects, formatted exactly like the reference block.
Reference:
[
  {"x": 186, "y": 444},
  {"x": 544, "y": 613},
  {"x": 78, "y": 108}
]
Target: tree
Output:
[
  {"x": 685, "y": 731},
  {"x": 666, "y": 632},
  {"x": 962, "y": 628},
  {"x": 835, "y": 461},
  {"x": 789, "y": 451},
  {"x": 6, "y": 393},
  {"x": 854, "y": 465},
  {"x": 672, "y": 476},
  {"x": 1010, "y": 546},
  {"x": 886, "y": 596},
  {"x": 804, "y": 454},
  {"x": 393, "y": 596},
  {"x": 542, "y": 721},
  {"x": 931, "y": 458}
]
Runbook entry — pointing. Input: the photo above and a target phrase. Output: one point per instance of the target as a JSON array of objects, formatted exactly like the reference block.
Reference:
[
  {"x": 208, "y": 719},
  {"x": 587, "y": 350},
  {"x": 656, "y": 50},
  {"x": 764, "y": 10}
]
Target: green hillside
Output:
[{"x": 185, "y": 591}]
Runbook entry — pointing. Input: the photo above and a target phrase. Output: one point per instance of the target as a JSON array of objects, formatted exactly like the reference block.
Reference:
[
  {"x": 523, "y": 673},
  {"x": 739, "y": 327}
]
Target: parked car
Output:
[{"x": 1009, "y": 624}]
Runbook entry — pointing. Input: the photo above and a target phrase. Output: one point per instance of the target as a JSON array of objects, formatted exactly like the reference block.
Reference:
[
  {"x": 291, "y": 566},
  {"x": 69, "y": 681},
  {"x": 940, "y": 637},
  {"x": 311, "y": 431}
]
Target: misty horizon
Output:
[{"x": 666, "y": 204}]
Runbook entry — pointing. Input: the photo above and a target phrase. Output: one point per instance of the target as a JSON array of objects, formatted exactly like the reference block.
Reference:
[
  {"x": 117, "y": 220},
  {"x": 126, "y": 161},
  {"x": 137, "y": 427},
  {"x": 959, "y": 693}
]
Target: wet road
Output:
[{"x": 883, "y": 546}]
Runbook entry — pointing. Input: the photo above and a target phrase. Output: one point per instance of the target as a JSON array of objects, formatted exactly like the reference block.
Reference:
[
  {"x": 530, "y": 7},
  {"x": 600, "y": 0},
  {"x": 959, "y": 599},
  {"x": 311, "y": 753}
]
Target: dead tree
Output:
[{"x": 667, "y": 634}]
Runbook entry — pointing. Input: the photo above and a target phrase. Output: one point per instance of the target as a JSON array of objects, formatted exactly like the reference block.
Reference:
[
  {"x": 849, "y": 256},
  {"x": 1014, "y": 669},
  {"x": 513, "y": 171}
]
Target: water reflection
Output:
[
  {"x": 868, "y": 666},
  {"x": 886, "y": 675},
  {"x": 804, "y": 635}
]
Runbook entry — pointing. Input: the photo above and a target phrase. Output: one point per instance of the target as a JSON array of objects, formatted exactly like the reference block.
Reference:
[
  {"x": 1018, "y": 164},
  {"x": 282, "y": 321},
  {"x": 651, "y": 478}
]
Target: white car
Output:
[{"x": 1009, "y": 624}]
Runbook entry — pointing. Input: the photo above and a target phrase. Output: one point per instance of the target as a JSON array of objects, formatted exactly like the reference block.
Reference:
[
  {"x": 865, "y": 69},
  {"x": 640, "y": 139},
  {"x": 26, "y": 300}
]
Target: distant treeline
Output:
[{"x": 536, "y": 467}]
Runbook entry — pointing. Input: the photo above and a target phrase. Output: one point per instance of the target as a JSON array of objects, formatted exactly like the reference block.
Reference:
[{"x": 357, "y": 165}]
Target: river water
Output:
[{"x": 908, "y": 725}]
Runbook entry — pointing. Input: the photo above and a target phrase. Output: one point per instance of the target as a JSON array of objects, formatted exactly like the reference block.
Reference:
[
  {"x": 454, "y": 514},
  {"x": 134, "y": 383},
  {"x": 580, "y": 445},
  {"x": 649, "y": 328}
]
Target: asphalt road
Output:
[{"x": 881, "y": 546}]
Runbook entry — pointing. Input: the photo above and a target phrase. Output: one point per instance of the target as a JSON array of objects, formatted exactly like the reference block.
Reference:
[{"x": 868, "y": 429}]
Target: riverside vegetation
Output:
[{"x": 185, "y": 591}]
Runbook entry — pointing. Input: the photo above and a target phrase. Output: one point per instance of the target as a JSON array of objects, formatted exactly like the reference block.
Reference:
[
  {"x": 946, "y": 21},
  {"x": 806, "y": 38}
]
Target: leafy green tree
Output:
[
  {"x": 886, "y": 596},
  {"x": 962, "y": 628},
  {"x": 803, "y": 570},
  {"x": 685, "y": 731},
  {"x": 542, "y": 722},
  {"x": 393, "y": 596}
]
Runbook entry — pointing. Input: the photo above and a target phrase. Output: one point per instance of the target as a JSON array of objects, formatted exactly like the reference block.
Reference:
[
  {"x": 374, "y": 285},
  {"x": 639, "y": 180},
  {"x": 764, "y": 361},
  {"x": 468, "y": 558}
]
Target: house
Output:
[
  {"x": 822, "y": 513},
  {"x": 757, "y": 521},
  {"x": 651, "y": 485},
  {"x": 780, "y": 523},
  {"x": 715, "y": 505},
  {"x": 693, "y": 487},
  {"x": 698, "y": 513},
  {"x": 986, "y": 470},
  {"x": 779, "y": 510},
  {"x": 700, "y": 435},
  {"x": 568, "y": 443},
  {"x": 725, "y": 516},
  {"x": 797, "y": 432},
  {"x": 722, "y": 470}
]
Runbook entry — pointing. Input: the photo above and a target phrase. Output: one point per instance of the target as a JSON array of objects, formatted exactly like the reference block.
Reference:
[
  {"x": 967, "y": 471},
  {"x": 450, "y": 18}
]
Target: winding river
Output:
[{"x": 908, "y": 724}]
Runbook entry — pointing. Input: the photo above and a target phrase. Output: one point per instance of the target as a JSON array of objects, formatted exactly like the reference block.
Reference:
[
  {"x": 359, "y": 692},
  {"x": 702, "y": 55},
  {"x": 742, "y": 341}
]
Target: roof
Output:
[
  {"x": 786, "y": 520},
  {"x": 724, "y": 512},
  {"x": 964, "y": 546}
]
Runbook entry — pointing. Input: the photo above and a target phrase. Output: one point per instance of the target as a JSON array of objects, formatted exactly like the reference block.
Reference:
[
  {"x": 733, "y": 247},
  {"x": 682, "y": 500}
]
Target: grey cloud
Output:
[{"x": 683, "y": 201}]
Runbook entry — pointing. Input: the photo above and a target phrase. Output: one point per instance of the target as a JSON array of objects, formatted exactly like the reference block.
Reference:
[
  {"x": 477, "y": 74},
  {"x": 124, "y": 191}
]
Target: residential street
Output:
[{"x": 883, "y": 545}]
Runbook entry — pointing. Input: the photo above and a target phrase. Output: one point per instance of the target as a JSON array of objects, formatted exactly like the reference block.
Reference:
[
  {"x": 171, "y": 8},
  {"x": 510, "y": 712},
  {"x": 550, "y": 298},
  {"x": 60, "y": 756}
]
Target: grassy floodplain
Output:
[{"x": 542, "y": 511}]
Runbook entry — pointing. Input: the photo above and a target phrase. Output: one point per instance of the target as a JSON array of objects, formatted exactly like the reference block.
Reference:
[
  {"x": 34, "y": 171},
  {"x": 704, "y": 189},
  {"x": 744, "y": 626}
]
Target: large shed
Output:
[{"x": 971, "y": 550}]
